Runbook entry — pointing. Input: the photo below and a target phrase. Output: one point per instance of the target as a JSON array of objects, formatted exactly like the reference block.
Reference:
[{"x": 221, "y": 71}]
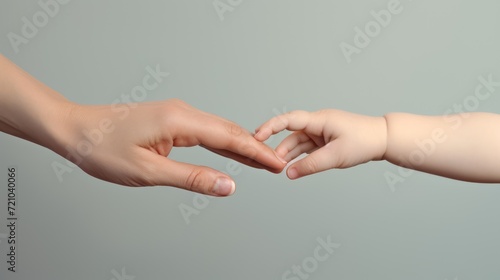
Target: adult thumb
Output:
[{"x": 200, "y": 179}]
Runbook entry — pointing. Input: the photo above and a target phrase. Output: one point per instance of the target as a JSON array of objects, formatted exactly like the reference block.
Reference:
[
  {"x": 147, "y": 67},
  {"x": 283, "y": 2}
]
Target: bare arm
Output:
[
  {"x": 29, "y": 109},
  {"x": 128, "y": 146},
  {"x": 464, "y": 147}
]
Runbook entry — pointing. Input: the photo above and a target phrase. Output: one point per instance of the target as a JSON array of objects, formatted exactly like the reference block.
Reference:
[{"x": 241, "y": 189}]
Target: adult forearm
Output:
[
  {"x": 29, "y": 109},
  {"x": 464, "y": 147}
]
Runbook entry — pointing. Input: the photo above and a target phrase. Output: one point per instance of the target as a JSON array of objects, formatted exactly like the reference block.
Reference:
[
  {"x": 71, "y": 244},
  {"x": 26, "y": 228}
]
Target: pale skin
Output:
[
  {"x": 463, "y": 146},
  {"x": 129, "y": 150},
  {"x": 134, "y": 149}
]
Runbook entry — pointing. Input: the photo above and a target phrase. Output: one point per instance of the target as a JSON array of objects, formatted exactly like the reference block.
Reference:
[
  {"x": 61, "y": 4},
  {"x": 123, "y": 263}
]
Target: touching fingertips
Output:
[
  {"x": 258, "y": 135},
  {"x": 261, "y": 135},
  {"x": 280, "y": 158},
  {"x": 293, "y": 173},
  {"x": 281, "y": 152},
  {"x": 224, "y": 187}
]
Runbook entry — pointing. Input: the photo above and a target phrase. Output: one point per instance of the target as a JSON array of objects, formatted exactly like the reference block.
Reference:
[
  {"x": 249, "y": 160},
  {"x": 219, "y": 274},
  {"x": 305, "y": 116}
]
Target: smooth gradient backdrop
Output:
[{"x": 249, "y": 60}]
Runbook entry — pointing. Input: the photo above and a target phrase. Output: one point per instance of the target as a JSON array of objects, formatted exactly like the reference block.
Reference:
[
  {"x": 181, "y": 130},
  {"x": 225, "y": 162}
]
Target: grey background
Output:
[{"x": 264, "y": 57}]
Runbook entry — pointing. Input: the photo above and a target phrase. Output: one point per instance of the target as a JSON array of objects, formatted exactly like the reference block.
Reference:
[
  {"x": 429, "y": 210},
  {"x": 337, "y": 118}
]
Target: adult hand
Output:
[{"x": 128, "y": 144}]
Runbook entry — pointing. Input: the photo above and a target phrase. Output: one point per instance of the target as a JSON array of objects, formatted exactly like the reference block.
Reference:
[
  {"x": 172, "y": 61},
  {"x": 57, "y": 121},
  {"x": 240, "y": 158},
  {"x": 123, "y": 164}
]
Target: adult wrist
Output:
[{"x": 57, "y": 125}]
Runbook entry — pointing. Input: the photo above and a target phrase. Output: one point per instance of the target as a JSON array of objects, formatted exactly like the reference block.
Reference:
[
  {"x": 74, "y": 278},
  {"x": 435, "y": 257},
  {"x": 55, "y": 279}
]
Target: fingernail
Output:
[
  {"x": 292, "y": 173},
  {"x": 280, "y": 158},
  {"x": 224, "y": 187}
]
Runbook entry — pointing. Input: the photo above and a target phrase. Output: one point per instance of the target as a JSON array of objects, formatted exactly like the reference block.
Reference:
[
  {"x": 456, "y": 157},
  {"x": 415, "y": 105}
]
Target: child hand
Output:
[{"x": 333, "y": 138}]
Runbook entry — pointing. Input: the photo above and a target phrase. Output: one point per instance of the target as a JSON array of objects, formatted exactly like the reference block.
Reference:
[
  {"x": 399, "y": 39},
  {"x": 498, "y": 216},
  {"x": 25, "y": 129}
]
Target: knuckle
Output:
[
  {"x": 310, "y": 166},
  {"x": 170, "y": 114},
  {"x": 233, "y": 129},
  {"x": 283, "y": 119},
  {"x": 166, "y": 109},
  {"x": 289, "y": 115},
  {"x": 292, "y": 116},
  {"x": 196, "y": 181},
  {"x": 172, "y": 107}
]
